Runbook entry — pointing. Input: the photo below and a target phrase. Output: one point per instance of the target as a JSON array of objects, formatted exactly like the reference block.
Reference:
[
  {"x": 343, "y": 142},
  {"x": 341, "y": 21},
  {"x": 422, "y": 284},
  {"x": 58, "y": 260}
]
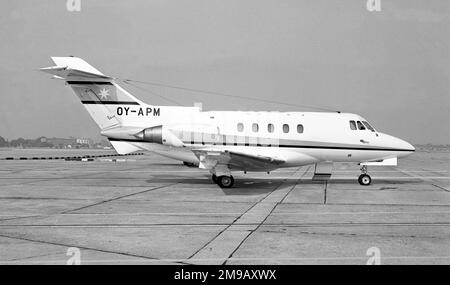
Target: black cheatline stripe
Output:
[
  {"x": 90, "y": 82},
  {"x": 111, "y": 102},
  {"x": 296, "y": 146}
]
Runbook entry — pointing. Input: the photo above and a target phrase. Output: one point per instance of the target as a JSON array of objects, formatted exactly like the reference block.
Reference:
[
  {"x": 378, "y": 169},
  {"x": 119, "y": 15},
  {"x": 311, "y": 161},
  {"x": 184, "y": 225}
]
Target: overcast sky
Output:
[{"x": 392, "y": 67}]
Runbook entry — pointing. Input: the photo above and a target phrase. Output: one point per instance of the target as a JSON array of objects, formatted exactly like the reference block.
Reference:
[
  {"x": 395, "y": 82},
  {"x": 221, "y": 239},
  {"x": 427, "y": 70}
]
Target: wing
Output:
[{"x": 210, "y": 158}]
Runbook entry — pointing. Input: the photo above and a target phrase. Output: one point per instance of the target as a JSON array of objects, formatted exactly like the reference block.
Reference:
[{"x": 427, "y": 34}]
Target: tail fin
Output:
[{"x": 98, "y": 92}]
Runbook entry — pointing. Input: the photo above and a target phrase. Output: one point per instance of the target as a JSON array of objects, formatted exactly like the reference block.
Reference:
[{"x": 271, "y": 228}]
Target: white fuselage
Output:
[{"x": 299, "y": 138}]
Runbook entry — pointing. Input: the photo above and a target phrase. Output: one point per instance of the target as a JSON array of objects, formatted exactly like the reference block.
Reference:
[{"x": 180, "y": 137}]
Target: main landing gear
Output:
[
  {"x": 364, "y": 179},
  {"x": 224, "y": 181},
  {"x": 190, "y": 164}
]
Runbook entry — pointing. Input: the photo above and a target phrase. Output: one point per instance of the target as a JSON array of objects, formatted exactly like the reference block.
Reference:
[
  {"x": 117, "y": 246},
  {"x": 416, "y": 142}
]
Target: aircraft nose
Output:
[
  {"x": 404, "y": 145},
  {"x": 410, "y": 146},
  {"x": 407, "y": 145},
  {"x": 404, "y": 148}
]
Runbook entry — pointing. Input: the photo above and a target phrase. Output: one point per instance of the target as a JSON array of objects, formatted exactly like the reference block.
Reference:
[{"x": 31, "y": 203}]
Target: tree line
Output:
[{"x": 21, "y": 142}]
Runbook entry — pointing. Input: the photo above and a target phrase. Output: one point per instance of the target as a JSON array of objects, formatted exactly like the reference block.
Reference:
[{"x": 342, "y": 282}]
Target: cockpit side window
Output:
[
  {"x": 360, "y": 126},
  {"x": 352, "y": 125},
  {"x": 368, "y": 126}
]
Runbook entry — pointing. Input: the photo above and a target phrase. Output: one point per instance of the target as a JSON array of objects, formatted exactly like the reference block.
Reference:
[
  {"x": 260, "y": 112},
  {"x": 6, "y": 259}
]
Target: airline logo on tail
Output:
[
  {"x": 104, "y": 93},
  {"x": 98, "y": 93}
]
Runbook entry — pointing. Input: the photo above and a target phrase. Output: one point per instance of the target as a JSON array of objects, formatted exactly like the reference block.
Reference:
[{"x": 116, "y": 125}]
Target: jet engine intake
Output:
[{"x": 159, "y": 134}]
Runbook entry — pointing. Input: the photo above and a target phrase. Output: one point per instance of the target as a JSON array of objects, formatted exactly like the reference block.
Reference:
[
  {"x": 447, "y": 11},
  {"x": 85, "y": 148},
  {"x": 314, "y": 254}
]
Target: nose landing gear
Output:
[{"x": 364, "y": 179}]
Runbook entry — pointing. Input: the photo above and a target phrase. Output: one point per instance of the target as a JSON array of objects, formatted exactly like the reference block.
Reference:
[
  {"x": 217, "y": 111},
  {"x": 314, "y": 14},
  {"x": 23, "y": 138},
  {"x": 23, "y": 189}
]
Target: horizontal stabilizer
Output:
[
  {"x": 74, "y": 74},
  {"x": 74, "y": 69}
]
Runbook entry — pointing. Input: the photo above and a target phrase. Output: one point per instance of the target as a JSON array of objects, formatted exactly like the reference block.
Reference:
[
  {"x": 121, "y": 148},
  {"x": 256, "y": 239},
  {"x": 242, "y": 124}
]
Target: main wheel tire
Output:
[
  {"x": 364, "y": 179},
  {"x": 214, "y": 178},
  {"x": 225, "y": 181}
]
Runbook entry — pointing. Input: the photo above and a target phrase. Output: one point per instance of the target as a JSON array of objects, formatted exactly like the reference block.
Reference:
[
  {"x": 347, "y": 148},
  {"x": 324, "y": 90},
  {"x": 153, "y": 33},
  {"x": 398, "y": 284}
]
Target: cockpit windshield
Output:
[
  {"x": 361, "y": 126},
  {"x": 368, "y": 126}
]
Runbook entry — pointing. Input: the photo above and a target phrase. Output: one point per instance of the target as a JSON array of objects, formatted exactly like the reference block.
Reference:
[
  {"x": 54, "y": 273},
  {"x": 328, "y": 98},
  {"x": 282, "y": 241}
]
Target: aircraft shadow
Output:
[
  {"x": 180, "y": 165},
  {"x": 376, "y": 181},
  {"x": 255, "y": 186}
]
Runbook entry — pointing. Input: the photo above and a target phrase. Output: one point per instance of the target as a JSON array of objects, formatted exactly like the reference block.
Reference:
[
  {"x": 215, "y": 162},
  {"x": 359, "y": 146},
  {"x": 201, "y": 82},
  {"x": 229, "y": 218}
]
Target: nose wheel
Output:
[{"x": 364, "y": 179}]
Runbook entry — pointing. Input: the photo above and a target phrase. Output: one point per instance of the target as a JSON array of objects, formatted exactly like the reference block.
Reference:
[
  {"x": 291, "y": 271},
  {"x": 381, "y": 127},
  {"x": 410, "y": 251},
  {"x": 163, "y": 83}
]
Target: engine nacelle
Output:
[{"x": 161, "y": 135}]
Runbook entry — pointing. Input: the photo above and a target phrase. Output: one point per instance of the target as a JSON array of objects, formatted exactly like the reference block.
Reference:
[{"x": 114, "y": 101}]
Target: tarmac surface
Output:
[{"x": 151, "y": 210}]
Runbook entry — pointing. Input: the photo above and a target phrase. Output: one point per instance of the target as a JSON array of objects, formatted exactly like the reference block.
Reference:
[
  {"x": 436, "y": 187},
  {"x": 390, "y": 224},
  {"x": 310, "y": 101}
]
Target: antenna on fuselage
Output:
[{"x": 130, "y": 81}]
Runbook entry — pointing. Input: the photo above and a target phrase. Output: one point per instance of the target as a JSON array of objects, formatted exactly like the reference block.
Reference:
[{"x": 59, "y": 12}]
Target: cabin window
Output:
[
  {"x": 270, "y": 128},
  {"x": 240, "y": 127},
  {"x": 368, "y": 126},
  {"x": 299, "y": 128},
  {"x": 353, "y": 125},
  {"x": 360, "y": 126},
  {"x": 255, "y": 128},
  {"x": 285, "y": 128}
]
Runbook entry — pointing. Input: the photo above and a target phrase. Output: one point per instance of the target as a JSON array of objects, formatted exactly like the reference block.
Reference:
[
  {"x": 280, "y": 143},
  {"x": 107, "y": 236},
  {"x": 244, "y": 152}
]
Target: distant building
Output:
[
  {"x": 84, "y": 142},
  {"x": 61, "y": 142}
]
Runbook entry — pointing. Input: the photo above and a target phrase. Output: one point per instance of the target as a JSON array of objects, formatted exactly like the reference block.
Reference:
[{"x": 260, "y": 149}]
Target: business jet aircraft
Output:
[{"x": 225, "y": 141}]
